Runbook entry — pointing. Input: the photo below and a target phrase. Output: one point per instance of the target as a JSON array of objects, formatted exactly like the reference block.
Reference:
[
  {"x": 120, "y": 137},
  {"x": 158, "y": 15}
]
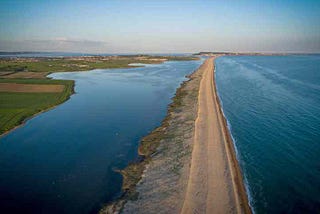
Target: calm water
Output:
[
  {"x": 62, "y": 161},
  {"x": 273, "y": 106}
]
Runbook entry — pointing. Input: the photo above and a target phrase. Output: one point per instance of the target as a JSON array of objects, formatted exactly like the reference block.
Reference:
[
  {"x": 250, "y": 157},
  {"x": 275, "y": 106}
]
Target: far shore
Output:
[{"x": 21, "y": 77}]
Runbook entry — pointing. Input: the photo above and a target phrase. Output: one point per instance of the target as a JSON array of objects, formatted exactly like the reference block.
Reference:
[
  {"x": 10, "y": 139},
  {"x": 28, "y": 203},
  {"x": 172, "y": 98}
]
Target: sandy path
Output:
[{"x": 215, "y": 183}]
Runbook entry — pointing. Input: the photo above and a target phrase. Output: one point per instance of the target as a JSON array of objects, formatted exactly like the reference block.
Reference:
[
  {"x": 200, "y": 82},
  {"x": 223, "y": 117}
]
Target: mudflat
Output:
[{"x": 215, "y": 183}]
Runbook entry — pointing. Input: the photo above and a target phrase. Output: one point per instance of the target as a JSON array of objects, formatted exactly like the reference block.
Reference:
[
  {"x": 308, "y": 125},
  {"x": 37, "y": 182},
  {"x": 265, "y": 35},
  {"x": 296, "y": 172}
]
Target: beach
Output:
[
  {"x": 194, "y": 169},
  {"x": 215, "y": 183}
]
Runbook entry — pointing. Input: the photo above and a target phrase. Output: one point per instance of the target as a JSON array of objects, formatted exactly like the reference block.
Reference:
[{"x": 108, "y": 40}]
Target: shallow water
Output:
[
  {"x": 273, "y": 106},
  {"x": 63, "y": 161}
]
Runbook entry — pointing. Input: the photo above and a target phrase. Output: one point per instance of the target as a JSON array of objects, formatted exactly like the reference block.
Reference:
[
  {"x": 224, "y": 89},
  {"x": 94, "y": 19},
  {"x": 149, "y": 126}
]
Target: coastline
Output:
[
  {"x": 246, "y": 187},
  {"x": 29, "y": 118},
  {"x": 142, "y": 194},
  {"x": 23, "y": 122},
  {"x": 151, "y": 152},
  {"x": 238, "y": 177},
  {"x": 165, "y": 158},
  {"x": 137, "y": 59},
  {"x": 215, "y": 183}
]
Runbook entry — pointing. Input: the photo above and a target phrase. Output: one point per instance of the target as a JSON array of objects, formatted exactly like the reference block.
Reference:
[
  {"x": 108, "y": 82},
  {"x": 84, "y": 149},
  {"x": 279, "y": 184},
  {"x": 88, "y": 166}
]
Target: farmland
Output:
[
  {"x": 25, "y": 89},
  {"x": 15, "y": 107}
]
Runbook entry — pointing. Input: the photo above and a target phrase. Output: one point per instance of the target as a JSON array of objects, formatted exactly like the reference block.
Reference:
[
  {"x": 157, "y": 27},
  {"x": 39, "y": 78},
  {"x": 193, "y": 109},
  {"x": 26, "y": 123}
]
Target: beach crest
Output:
[{"x": 186, "y": 169}]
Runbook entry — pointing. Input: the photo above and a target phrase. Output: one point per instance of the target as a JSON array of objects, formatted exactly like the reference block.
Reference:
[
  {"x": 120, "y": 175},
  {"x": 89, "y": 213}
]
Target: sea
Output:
[
  {"x": 272, "y": 104},
  {"x": 66, "y": 160}
]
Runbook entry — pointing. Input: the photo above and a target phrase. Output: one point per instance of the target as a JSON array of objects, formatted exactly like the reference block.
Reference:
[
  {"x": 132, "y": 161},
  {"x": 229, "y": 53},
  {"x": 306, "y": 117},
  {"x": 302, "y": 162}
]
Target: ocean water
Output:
[
  {"x": 272, "y": 104},
  {"x": 63, "y": 161}
]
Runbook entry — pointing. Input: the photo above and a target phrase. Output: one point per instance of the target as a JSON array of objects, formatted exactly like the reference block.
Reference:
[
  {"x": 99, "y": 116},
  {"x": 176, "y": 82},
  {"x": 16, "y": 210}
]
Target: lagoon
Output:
[{"x": 64, "y": 160}]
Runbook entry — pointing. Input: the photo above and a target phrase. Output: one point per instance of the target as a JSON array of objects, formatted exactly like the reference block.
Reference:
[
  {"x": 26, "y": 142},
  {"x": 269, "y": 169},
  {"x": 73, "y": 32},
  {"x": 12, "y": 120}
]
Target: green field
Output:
[
  {"x": 49, "y": 65},
  {"x": 16, "y": 107},
  {"x": 69, "y": 64}
]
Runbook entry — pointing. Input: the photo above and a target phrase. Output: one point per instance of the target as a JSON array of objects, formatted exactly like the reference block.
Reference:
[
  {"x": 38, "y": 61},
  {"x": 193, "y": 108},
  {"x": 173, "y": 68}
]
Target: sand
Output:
[
  {"x": 31, "y": 88},
  {"x": 215, "y": 183},
  {"x": 162, "y": 186},
  {"x": 194, "y": 169}
]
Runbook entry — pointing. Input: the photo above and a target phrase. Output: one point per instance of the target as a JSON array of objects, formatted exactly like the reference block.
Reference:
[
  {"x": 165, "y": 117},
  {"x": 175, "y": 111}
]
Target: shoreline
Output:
[
  {"x": 24, "y": 121},
  {"x": 168, "y": 143},
  {"x": 215, "y": 183},
  {"x": 239, "y": 178},
  {"x": 128, "y": 66},
  {"x": 149, "y": 145},
  {"x": 142, "y": 194},
  {"x": 246, "y": 187}
]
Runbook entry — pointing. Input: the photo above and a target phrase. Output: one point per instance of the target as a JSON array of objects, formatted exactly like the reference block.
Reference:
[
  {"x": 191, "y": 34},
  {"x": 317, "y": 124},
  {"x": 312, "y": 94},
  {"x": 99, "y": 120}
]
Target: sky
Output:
[{"x": 164, "y": 26}]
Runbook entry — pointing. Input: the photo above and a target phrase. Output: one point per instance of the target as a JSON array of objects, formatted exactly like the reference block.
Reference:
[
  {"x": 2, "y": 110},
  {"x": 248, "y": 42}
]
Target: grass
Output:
[
  {"x": 16, "y": 107},
  {"x": 149, "y": 145},
  {"x": 58, "y": 65},
  {"x": 70, "y": 64},
  {"x": 132, "y": 173}
]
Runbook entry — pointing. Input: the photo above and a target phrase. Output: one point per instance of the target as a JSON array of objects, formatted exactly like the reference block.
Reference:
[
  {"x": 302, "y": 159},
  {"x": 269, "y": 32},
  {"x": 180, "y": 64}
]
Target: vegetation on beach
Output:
[
  {"x": 169, "y": 138},
  {"x": 16, "y": 107},
  {"x": 133, "y": 172},
  {"x": 149, "y": 144}
]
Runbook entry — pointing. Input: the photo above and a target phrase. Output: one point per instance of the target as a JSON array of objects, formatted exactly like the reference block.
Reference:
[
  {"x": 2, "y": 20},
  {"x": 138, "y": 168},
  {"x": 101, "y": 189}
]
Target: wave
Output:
[{"x": 246, "y": 184}]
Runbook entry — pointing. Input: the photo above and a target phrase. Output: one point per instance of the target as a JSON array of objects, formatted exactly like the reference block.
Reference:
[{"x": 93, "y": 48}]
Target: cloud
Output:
[
  {"x": 169, "y": 44},
  {"x": 55, "y": 44}
]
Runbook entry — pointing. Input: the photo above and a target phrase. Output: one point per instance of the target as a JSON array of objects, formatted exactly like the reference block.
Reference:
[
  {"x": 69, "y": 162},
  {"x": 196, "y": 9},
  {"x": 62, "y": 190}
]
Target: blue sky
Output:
[{"x": 128, "y": 26}]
